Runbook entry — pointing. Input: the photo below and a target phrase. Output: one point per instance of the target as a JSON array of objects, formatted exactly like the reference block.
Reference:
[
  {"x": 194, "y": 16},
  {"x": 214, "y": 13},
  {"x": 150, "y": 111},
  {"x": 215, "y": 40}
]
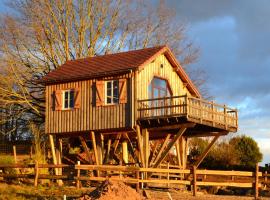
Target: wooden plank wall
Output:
[
  {"x": 144, "y": 77},
  {"x": 88, "y": 116}
]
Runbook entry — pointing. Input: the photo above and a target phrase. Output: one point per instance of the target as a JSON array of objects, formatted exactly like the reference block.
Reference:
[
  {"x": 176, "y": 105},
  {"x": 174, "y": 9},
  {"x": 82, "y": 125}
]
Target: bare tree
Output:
[{"x": 38, "y": 36}]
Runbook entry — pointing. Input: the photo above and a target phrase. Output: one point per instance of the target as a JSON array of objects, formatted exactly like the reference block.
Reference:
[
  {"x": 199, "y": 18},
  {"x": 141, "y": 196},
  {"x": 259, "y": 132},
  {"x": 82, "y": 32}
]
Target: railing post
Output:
[
  {"x": 256, "y": 184},
  {"x": 194, "y": 181},
  {"x": 36, "y": 174},
  {"x": 78, "y": 176},
  {"x": 187, "y": 104}
]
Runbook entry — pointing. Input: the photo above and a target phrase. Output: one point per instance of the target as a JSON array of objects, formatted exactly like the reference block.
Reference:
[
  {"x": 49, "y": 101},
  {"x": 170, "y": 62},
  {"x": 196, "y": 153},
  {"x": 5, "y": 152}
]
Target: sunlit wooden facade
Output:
[{"x": 154, "y": 100}]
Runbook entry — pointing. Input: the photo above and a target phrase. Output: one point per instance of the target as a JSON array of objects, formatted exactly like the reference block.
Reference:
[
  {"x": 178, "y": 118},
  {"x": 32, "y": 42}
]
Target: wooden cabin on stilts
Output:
[{"x": 130, "y": 108}]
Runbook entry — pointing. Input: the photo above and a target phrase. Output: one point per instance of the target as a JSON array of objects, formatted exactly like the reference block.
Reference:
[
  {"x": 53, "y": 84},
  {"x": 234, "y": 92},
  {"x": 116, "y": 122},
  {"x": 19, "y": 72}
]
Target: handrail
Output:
[
  {"x": 212, "y": 103},
  {"x": 161, "y": 98}
]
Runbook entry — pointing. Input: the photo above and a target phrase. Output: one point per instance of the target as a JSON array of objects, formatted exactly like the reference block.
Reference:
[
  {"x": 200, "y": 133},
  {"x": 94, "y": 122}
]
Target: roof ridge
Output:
[{"x": 122, "y": 52}]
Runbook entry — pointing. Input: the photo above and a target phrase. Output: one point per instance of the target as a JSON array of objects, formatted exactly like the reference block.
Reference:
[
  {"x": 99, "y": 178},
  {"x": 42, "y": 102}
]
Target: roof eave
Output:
[{"x": 87, "y": 77}]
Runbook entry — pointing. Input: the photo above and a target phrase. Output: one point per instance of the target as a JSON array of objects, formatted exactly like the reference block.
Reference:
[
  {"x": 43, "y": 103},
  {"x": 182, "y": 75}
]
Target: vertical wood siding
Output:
[
  {"x": 88, "y": 116},
  {"x": 145, "y": 76}
]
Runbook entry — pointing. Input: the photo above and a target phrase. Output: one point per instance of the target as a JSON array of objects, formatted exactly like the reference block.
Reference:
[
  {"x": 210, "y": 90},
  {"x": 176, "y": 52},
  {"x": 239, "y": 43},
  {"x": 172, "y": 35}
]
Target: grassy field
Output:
[{"x": 23, "y": 192}]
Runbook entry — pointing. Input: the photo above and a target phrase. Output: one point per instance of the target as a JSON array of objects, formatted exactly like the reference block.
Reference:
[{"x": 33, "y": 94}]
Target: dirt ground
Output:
[
  {"x": 113, "y": 192},
  {"x": 200, "y": 196}
]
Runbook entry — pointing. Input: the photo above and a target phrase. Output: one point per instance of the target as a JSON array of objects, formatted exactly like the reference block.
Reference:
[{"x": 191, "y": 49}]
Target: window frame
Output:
[
  {"x": 112, "y": 93},
  {"x": 69, "y": 99}
]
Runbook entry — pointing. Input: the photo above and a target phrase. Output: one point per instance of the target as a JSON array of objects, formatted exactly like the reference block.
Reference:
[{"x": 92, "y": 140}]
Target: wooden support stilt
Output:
[
  {"x": 54, "y": 158},
  {"x": 168, "y": 148},
  {"x": 183, "y": 151},
  {"x": 102, "y": 146},
  {"x": 86, "y": 149},
  {"x": 99, "y": 148},
  {"x": 140, "y": 145},
  {"x": 116, "y": 143},
  {"x": 114, "y": 148},
  {"x": 145, "y": 135},
  {"x": 106, "y": 159},
  {"x": 162, "y": 148},
  {"x": 125, "y": 151},
  {"x": 145, "y": 138},
  {"x": 131, "y": 149},
  {"x": 152, "y": 152},
  {"x": 204, "y": 154},
  {"x": 94, "y": 144},
  {"x": 53, "y": 153},
  {"x": 177, "y": 147},
  {"x": 58, "y": 154}
]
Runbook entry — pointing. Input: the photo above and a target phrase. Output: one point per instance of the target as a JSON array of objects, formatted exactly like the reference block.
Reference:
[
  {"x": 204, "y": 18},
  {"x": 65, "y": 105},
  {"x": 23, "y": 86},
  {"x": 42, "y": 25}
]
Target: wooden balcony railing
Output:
[{"x": 194, "y": 109}]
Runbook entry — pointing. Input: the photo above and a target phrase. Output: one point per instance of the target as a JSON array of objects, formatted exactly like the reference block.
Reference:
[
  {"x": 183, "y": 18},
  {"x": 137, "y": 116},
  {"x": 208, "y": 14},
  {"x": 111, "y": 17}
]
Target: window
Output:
[
  {"x": 159, "y": 88},
  {"x": 112, "y": 92},
  {"x": 68, "y": 99}
]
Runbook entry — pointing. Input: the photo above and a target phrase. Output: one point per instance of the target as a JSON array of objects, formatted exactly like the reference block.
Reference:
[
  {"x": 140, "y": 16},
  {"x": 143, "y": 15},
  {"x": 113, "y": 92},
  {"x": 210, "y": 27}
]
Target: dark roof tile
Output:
[{"x": 87, "y": 67}]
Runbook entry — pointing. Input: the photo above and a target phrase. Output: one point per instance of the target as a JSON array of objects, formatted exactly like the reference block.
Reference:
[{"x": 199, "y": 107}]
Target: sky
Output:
[{"x": 234, "y": 42}]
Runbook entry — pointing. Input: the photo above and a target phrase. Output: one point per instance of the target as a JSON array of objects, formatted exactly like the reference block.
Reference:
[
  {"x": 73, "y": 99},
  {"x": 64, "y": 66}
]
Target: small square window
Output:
[
  {"x": 68, "y": 99},
  {"x": 112, "y": 92}
]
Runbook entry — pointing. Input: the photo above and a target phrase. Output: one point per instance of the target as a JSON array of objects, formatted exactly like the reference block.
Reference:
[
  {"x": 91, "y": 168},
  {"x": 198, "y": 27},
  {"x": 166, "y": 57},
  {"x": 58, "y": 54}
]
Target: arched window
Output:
[{"x": 159, "y": 88}]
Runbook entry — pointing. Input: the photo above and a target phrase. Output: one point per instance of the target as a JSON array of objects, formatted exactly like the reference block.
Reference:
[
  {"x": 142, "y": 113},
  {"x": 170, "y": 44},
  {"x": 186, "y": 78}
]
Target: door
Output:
[{"x": 159, "y": 88}]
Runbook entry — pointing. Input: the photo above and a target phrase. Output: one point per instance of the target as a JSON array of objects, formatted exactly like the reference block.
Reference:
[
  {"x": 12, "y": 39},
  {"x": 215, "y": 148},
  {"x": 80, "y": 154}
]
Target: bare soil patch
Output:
[{"x": 112, "y": 190}]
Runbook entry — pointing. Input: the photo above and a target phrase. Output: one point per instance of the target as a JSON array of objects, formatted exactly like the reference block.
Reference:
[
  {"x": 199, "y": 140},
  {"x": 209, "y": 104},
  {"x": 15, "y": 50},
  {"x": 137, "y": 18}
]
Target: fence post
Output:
[
  {"x": 204, "y": 177},
  {"x": 120, "y": 172},
  {"x": 168, "y": 174},
  {"x": 225, "y": 116},
  {"x": 36, "y": 174},
  {"x": 256, "y": 184},
  {"x": 194, "y": 181},
  {"x": 15, "y": 154},
  {"x": 78, "y": 175},
  {"x": 265, "y": 177},
  {"x": 138, "y": 183}
]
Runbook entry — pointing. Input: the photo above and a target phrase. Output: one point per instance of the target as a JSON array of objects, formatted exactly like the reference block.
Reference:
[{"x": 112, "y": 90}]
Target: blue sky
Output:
[{"x": 234, "y": 41}]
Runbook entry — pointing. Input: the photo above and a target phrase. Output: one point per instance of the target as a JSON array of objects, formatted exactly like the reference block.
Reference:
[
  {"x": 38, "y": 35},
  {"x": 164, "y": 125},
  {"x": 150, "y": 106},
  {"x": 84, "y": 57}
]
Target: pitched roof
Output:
[{"x": 116, "y": 63}]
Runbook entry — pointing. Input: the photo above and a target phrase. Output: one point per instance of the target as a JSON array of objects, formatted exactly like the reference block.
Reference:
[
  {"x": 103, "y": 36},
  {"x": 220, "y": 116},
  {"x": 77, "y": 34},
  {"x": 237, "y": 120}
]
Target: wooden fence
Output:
[{"x": 142, "y": 177}]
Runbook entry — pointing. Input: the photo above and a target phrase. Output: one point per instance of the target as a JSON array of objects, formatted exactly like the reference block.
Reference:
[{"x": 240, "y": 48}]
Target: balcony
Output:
[{"x": 191, "y": 109}]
